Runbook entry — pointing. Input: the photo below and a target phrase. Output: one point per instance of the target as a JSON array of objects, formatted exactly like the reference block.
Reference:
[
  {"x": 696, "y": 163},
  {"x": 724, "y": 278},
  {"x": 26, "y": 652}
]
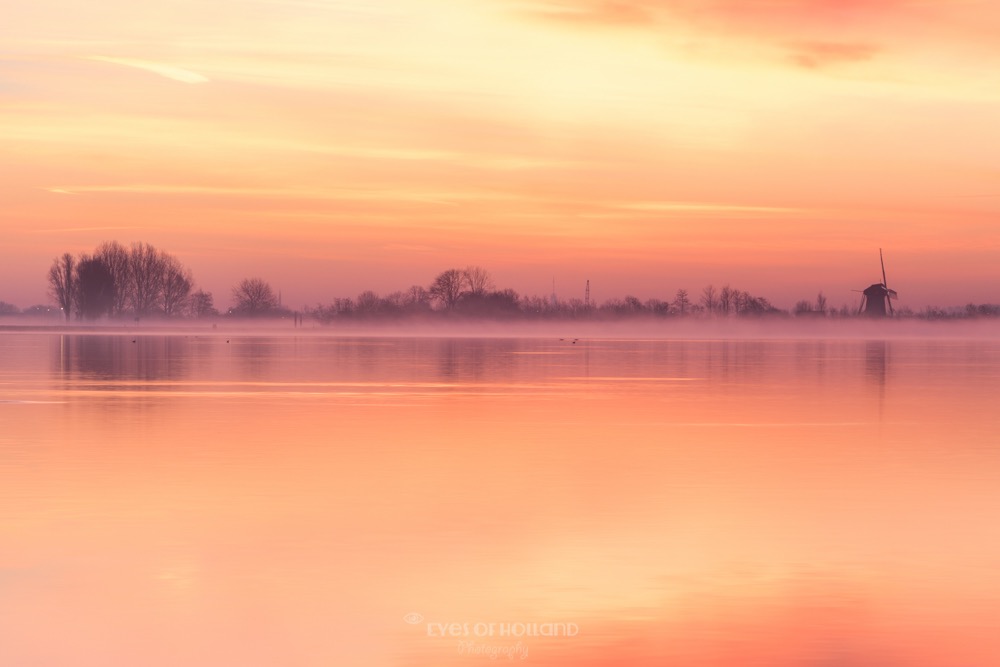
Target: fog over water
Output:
[
  {"x": 768, "y": 493},
  {"x": 416, "y": 326}
]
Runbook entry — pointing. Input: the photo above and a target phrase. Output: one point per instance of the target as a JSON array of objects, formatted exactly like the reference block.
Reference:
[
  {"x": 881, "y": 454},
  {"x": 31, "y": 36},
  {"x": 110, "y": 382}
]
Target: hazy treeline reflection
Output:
[
  {"x": 158, "y": 358},
  {"x": 122, "y": 358},
  {"x": 707, "y": 503}
]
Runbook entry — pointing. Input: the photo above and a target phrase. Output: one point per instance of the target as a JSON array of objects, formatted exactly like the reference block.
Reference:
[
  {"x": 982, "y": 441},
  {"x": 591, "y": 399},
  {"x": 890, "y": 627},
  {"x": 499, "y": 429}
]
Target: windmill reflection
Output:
[{"x": 876, "y": 368}]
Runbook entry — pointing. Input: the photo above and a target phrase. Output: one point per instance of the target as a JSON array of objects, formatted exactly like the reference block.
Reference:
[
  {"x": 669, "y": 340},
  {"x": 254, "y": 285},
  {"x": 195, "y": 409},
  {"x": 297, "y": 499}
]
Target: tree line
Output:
[
  {"x": 124, "y": 281},
  {"x": 139, "y": 280},
  {"x": 471, "y": 292}
]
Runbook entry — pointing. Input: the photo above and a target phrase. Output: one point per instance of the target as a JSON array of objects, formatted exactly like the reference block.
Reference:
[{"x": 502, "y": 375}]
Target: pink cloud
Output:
[
  {"x": 599, "y": 14},
  {"x": 771, "y": 20},
  {"x": 816, "y": 55}
]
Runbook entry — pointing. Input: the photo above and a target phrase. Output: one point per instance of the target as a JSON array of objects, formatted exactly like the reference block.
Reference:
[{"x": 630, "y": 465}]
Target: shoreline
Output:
[{"x": 672, "y": 329}]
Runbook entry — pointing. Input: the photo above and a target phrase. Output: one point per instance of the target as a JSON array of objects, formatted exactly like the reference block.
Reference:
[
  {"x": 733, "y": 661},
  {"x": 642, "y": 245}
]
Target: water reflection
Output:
[
  {"x": 136, "y": 359},
  {"x": 322, "y": 501},
  {"x": 463, "y": 360},
  {"x": 255, "y": 357},
  {"x": 876, "y": 355}
]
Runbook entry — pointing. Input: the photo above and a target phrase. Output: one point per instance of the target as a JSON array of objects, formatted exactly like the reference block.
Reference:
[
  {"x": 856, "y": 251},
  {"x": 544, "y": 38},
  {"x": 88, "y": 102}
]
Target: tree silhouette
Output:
[
  {"x": 95, "y": 288},
  {"x": 201, "y": 304},
  {"x": 726, "y": 297},
  {"x": 145, "y": 275},
  {"x": 632, "y": 305},
  {"x": 476, "y": 280},
  {"x": 145, "y": 280},
  {"x": 447, "y": 288},
  {"x": 254, "y": 296},
  {"x": 417, "y": 299},
  {"x": 117, "y": 260},
  {"x": 682, "y": 302},
  {"x": 802, "y": 307},
  {"x": 709, "y": 299},
  {"x": 62, "y": 279},
  {"x": 368, "y": 303},
  {"x": 175, "y": 285}
]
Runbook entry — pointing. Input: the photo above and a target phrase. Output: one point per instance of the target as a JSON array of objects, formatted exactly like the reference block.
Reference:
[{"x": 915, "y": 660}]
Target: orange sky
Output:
[{"x": 333, "y": 146}]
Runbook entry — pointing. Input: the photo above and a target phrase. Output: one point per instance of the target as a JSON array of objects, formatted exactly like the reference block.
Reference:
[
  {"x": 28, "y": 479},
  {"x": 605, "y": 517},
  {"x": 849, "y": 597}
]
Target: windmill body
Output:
[{"x": 877, "y": 299}]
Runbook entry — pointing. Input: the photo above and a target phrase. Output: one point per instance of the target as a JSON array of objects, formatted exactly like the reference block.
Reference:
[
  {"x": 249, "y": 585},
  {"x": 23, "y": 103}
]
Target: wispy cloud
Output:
[
  {"x": 815, "y": 55},
  {"x": 375, "y": 194},
  {"x": 750, "y": 14},
  {"x": 701, "y": 207},
  {"x": 604, "y": 13},
  {"x": 100, "y": 228},
  {"x": 168, "y": 71},
  {"x": 811, "y": 30}
]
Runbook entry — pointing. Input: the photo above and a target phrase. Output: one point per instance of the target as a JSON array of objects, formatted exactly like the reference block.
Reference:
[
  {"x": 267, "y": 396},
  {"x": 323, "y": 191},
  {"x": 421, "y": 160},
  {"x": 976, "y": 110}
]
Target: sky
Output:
[{"x": 334, "y": 146}]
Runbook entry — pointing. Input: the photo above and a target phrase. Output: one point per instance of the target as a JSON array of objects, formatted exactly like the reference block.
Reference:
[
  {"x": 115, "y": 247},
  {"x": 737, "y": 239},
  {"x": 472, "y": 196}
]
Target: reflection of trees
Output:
[
  {"x": 473, "y": 359},
  {"x": 114, "y": 359},
  {"x": 254, "y": 356}
]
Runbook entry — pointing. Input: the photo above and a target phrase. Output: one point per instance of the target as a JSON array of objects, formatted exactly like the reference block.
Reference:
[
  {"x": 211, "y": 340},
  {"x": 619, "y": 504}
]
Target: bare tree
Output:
[
  {"x": 115, "y": 257},
  {"x": 741, "y": 300},
  {"x": 477, "y": 280},
  {"x": 726, "y": 296},
  {"x": 755, "y": 305},
  {"x": 447, "y": 288},
  {"x": 682, "y": 302},
  {"x": 709, "y": 299},
  {"x": 61, "y": 282},
  {"x": 821, "y": 303},
  {"x": 368, "y": 303},
  {"x": 201, "y": 304},
  {"x": 417, "y": 298},
  {"x": 254, "y": 296},
  {"x": 145, "y": 278},
  {"x": 631, "y": 304},
  {"x": 394, "y": 302},
  {"x": 175, "y": 284},
  {"x": 803, "y": 307},
  {"x": 657, "y": 307}
]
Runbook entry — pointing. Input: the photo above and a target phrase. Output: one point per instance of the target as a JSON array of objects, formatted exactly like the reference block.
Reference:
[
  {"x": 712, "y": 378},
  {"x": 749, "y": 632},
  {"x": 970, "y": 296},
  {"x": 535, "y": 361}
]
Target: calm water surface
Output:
[{"x": 321, "y": 501}]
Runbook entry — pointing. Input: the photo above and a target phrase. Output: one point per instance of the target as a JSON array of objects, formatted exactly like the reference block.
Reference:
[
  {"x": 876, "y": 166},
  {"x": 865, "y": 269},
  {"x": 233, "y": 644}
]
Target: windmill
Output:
[{"x": 877, "y": 299}]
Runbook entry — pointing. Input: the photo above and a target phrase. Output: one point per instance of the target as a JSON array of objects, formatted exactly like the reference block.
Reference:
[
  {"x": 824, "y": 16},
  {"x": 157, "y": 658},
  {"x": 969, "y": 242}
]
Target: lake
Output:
[{"x": 224, "y": 499}]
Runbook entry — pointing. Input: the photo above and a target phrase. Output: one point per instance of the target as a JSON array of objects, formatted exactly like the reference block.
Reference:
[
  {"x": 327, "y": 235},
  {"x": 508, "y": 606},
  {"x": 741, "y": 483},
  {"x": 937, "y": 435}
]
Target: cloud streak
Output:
[
  {"x": 746, "y": 14},
  {"x": 816, "y": 55},
  {"x": 167, "y": 71},
  {"x": 821, "y": 32},
  {"x": 703, "y": 207},
  {"x": 606, "y": 14}
]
